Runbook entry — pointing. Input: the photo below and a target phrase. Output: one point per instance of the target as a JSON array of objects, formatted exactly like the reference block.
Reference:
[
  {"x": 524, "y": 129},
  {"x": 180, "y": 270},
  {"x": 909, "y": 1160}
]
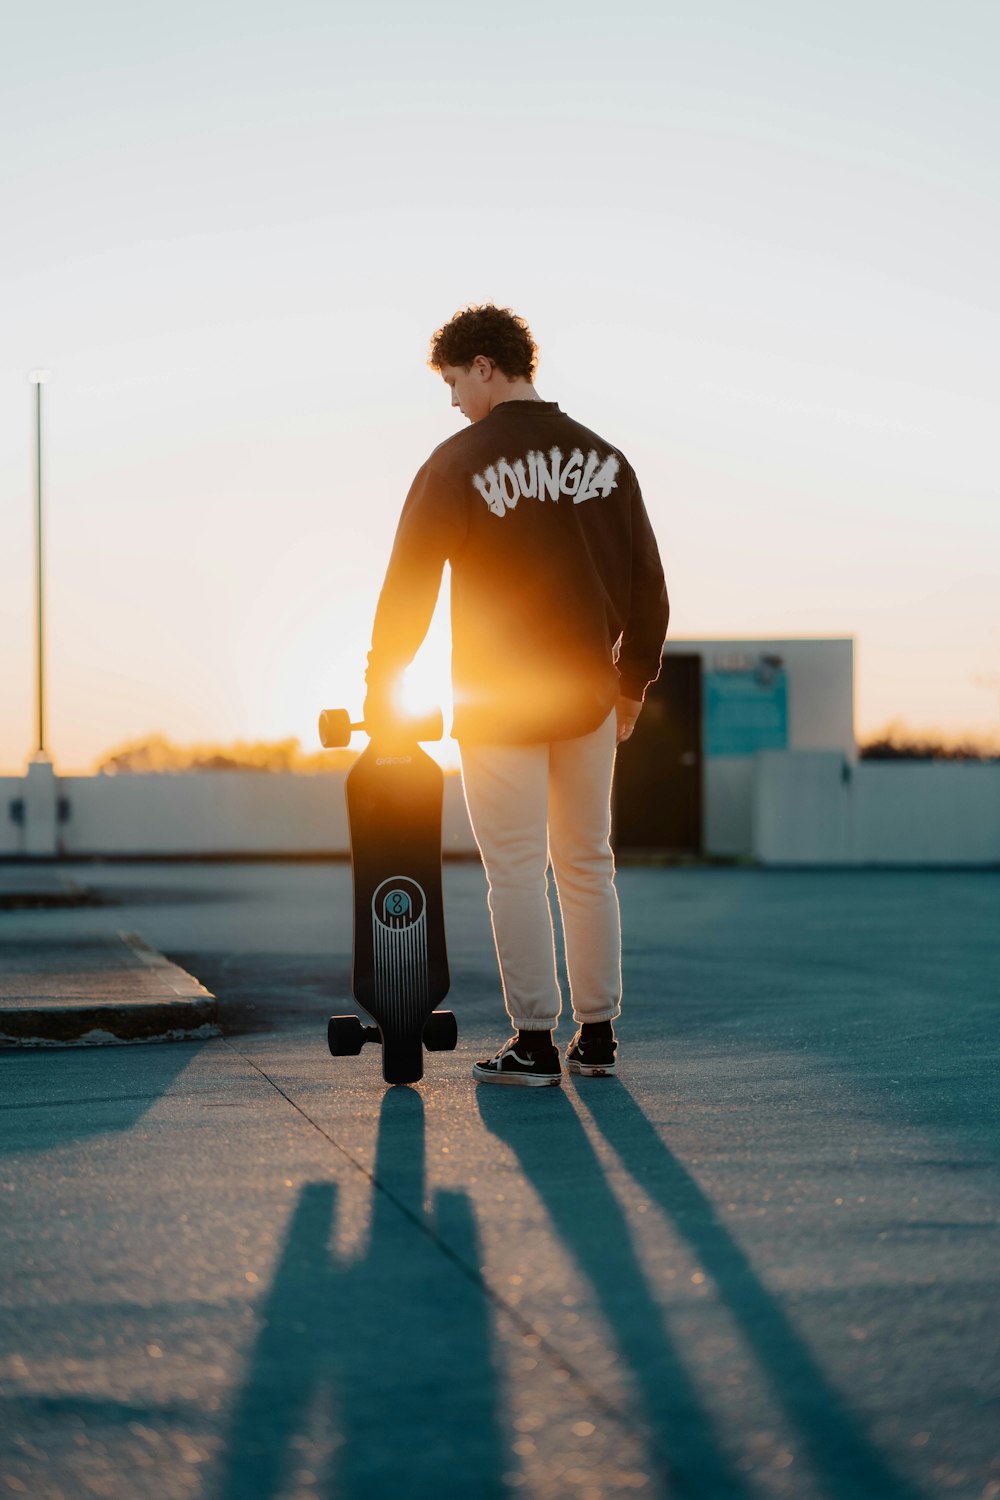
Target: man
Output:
[{"x": 558, "y": 611}]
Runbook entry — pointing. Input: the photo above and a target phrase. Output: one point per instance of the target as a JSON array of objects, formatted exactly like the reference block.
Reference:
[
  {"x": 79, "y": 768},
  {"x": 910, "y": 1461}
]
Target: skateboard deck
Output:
[{"x": 395, "y": 793}]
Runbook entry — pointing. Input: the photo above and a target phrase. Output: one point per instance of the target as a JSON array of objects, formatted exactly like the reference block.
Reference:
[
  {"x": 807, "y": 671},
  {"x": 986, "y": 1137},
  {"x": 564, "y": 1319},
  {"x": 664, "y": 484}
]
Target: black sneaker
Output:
[
  {"x": 593, "y": 1058},
  {"x": 517, "y": 1066}
]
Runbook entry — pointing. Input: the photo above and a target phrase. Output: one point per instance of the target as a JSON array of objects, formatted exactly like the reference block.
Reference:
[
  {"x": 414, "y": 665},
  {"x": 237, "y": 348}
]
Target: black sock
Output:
[
  {"x": 594, "y": 1031},
  {"x": 535, "y": 1041}
]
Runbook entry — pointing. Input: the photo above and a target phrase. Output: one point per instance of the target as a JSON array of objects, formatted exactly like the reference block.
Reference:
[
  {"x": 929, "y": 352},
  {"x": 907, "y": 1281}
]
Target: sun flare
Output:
[{"x": 427, "y": 685}]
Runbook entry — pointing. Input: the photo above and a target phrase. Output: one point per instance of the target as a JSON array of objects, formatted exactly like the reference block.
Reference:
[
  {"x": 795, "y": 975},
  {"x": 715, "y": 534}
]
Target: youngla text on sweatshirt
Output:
[{"x": 558, "y": 601}]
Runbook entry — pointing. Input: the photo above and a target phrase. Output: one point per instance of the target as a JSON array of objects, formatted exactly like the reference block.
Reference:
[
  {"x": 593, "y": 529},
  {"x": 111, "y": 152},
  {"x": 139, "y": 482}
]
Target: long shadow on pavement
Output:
[
  {"x": 392, "y": 1351},
  {"x": 546, "y": 1136},
  {"x": 847, "y": 1464}
]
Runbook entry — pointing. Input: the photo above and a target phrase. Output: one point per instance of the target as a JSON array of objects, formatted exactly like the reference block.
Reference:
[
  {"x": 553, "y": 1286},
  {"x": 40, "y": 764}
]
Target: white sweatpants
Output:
[{"x": 527, "y": 804}]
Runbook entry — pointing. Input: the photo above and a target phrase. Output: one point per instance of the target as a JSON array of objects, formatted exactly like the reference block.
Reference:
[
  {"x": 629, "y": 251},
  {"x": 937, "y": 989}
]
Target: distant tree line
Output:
[
  {"x": 890, "y": 746},
  {"x": 157, "y": 753}
]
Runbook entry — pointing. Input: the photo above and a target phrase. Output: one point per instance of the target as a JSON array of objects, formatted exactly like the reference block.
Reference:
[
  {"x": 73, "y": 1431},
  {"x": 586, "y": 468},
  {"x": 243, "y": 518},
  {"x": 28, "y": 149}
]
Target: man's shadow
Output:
[
  {"x": 683, "y": 1446},
  {"x": 391, "y": 1351},
  {"x": 848, "y": 1466}
]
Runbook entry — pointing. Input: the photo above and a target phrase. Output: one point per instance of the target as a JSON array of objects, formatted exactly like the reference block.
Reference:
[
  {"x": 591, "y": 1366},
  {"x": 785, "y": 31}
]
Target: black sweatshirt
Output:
[{"x": 553, "y": 563}]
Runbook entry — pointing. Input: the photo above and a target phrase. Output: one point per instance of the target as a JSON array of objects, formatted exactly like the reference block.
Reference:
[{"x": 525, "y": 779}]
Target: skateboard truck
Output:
[
  {"x": 347, "y": 1035},
  {"x": 336, "y": 727}
]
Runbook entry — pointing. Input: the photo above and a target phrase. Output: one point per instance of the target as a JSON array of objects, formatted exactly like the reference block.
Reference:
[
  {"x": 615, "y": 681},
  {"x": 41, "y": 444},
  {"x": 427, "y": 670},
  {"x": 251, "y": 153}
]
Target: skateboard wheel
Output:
[
  {"x": 334, "y": 728},
  {"x": 346, "y": 1036},
  {"x": 441, "y": 1031}
]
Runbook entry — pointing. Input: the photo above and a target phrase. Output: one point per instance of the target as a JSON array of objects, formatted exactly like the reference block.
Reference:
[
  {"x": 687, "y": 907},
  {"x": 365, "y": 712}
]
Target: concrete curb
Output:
[
  {"x": 26, "y": 888},
  {"x": 132, "y": 996}
]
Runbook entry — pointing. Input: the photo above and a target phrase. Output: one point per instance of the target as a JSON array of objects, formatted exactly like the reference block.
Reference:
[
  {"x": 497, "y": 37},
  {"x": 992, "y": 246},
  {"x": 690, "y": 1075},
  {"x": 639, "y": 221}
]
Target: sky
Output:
[{"x": 757, "y": 245}]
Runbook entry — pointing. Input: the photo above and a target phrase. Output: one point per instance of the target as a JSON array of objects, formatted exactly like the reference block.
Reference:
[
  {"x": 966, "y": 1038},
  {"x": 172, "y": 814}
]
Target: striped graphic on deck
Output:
[{"x": 399, "y": 929}]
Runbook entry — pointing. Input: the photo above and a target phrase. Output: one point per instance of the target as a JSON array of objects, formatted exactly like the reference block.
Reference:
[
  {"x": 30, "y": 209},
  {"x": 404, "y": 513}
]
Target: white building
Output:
[{"x": 686, "y": 780}]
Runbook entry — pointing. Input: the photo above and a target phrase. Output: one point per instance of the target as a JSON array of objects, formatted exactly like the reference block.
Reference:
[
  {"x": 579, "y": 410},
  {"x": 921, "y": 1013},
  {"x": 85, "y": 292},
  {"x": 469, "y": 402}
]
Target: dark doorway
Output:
[{"x": 658, "y": 780}]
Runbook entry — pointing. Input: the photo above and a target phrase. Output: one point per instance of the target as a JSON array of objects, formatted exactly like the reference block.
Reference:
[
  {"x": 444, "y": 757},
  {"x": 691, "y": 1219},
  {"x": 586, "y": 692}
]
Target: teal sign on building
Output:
[{"x": 746, "y": 711}]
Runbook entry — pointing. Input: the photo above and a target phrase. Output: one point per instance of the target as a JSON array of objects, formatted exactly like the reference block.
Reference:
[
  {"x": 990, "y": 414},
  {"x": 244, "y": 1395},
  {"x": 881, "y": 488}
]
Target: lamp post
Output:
[{"x": 38, "y": 379}]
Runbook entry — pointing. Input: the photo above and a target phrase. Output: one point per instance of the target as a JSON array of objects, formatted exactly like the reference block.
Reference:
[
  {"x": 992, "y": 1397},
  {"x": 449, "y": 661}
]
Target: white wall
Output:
[
  {"x": 939, "y": 812},
  {"x": 820, "y": 808},
  {"x": 807, "y": 807},
  {"x": 213, "y": 812},
  {"x": 727, "y": 804}
]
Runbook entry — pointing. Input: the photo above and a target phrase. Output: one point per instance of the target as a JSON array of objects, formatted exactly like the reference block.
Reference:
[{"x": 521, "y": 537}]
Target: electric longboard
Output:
[{"x": 400, "y": 968}]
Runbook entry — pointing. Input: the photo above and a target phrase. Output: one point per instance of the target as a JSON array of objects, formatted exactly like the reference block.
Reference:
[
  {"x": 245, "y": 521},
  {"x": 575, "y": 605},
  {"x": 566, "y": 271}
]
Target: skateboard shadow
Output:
[
  {"x": 846, "y": 1462},
  {"x": 375, "y": 1374},
  {"x": 683, "y": 1446}
]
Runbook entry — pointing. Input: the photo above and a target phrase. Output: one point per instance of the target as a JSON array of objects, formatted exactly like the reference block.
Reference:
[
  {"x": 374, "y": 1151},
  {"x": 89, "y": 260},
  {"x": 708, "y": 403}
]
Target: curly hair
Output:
[{"x": 495, "y": 332}]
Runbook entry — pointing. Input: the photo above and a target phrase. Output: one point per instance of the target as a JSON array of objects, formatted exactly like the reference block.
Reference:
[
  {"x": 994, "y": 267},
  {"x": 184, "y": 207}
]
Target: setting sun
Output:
[{"x": 426, "y": 683}]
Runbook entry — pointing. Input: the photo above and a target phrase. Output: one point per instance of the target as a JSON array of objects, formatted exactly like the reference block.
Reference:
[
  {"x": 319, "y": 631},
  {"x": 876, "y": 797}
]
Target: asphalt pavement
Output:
[{"x": 760, "y": 1262}]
